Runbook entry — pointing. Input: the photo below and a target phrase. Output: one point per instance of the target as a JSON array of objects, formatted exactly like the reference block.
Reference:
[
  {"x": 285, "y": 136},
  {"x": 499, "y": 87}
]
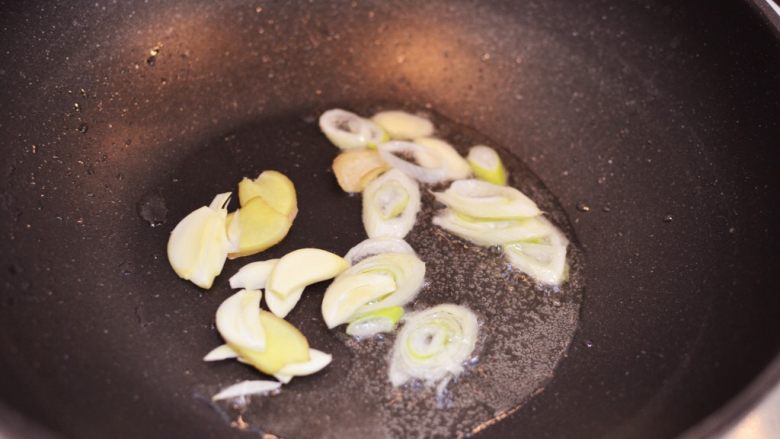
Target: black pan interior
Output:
[{"x": 659, "y": 116}]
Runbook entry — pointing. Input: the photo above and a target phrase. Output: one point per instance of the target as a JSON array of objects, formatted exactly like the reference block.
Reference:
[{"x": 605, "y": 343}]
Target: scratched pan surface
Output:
[{"x": 660, "y": 117}]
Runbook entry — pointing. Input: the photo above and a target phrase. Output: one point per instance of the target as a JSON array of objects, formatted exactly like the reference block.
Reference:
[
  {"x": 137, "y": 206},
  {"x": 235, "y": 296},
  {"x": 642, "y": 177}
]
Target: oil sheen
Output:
[{"x": 524, "y": 328}]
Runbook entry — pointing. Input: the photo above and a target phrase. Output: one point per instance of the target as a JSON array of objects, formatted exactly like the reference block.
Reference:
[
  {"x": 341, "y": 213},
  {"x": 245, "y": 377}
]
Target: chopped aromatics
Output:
[
  {"x": 481, "y": 199},
  {"x": 274, "y": 188},
  {"x": 356, "y": 168},
  {"x": 377, "y": 282},
  {"x": 199, "y": 244},
  {"x": 256, "y": 227},
  {"x": 284, "y": 345},
  {"x": 245, "y": 388},
  {"x": 544, "y": 259},
  {"x": 317, "y": 361},
  {"x": 427, "y": 169},
  {"x": 402, "y": 125},
  {"x": 222, "y": 352},
  {"x": 253, "y": 276},
  {"x": 303, "y": 267},
  {"x": 408, "y": 271},
  {"x": 377, "y": 246},
  {"x": 284, "y": 352},
  {"x": 487, "y": 232},
  {"x": 281, "y": 306},
  {"x": 378, "y": 276},
  {"x": 390, "y": 205},
  {"x": 220, "y": 201},
  {"x": 349, "y": 292},
  {"x": 433, "y": 345},
  {"x": 382, "y": 320},
  {"x": 487, "y": 165},
  {"x": 238, "y": 320},
  {"x": 348, "y": 130},
  {"x": 457, "y": 167}
]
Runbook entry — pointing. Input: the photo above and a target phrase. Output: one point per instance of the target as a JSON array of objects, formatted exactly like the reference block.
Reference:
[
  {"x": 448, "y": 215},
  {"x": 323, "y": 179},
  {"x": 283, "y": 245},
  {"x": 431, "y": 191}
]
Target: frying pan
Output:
[{"x": 662, "y": 117}]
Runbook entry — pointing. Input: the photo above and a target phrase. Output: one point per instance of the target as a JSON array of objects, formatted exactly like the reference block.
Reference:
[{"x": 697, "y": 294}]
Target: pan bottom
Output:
[{"x": 525, "y": 329}]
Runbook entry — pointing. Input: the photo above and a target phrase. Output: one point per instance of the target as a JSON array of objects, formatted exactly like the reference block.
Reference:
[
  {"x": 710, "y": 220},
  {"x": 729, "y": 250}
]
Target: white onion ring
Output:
[
  {"x": 377, "y": 282},
  {"x": 487, "y": 165},
  {"x": 383, "y": 320},
  {"x": 430, "y": 170},
  {"x": 374, "y": 219},
  {"x": 544, "y": 259},
  {"x": 348, "y": 130},
  {"x": 377, "y": 246},
  {"x": 457, "y": 167},
  {"x": 481, "y": 199},
  {"x": 490, "y": 232},
  {"x": 433, "y": 345}
]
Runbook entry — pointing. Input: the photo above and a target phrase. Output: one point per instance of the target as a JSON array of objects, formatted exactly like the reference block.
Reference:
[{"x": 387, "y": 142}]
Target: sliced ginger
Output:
[
  {"x": 275, "y": 188},
  {"x": 356, "y": 168},
  {"x": 284, "y": 345},
  {"x": 256, "y": 227},
  {"x": 269, "y": 205}
]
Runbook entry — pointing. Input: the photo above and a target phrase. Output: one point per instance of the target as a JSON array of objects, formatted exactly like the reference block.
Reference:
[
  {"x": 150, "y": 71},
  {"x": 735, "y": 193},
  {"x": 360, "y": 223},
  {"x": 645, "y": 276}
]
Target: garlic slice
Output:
[
  {"x": 254, "y": 275},
  {"x": 303, "y": 267},
  {"x": 219, "y": 353},
  {"x": 281, "y": 306},
  {"x": 246, "y": 388},
  {"x": 220, "y": 201},
  {"x": 318, "y": 360},
  {"x": 198, "y": 245},
  {"x": 238, "y": 320}
]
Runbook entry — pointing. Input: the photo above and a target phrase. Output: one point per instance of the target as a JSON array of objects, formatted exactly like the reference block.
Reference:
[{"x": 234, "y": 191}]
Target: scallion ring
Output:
[{"x": 433, "y": 344}]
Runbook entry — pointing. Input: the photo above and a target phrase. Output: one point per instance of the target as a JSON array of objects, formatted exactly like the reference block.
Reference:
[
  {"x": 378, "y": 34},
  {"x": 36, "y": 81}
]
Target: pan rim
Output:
[
  {"x": 718, "y": 423},
  {"x": 714, "y": 426}
]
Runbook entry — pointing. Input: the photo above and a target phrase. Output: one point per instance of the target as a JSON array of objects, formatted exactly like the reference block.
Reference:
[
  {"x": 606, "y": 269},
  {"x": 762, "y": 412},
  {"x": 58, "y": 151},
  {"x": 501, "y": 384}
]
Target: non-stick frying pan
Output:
[{"x": 661, "y": 117}]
